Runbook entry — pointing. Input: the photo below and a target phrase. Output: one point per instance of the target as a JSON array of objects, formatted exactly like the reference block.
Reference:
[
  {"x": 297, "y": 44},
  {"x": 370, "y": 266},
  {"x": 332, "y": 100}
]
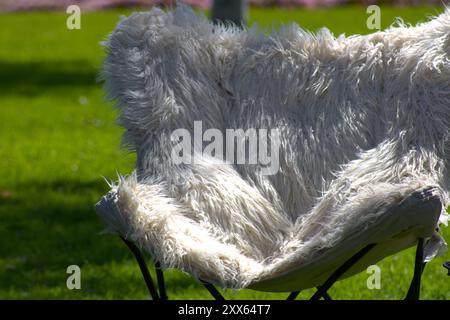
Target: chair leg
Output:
[
  {"x": 214, "y": 292},
  {"x": 419, "y": 265},
  {"x": 144, "y": 270},
  {"x": 326, "y": 296},
  {"x": 340, "y": 271},
  {"x": 293, "y": 295},
  {"x": 161, "y": 282}
]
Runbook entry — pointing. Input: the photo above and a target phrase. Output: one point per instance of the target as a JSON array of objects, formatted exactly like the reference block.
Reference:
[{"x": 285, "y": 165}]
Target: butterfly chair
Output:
[{"x": 358, "y": 134}]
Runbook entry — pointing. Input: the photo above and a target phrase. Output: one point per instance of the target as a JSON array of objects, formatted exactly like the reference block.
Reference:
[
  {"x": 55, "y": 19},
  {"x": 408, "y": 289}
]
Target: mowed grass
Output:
[{"x": 59, "y": 138}]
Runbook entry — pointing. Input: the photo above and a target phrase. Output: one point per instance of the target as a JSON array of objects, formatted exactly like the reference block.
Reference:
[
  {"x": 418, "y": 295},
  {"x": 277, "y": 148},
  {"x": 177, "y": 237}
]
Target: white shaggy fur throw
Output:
[{"x": 364, "y": 156}]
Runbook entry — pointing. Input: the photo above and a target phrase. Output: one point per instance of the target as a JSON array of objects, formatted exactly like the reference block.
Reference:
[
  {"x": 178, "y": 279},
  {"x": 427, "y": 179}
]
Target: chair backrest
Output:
[{"x": 333, "y": 100}]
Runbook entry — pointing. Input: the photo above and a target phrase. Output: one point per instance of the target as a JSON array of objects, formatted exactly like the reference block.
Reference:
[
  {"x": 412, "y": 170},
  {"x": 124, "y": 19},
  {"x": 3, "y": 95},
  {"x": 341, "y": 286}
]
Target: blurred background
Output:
[
  {"x": 59, "y": 138},
  {"x": 12, "y": 5}
]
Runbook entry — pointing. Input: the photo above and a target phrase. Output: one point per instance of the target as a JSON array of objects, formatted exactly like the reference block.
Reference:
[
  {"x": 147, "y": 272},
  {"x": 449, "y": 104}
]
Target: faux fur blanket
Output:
[{"x": 364, "y": 153}]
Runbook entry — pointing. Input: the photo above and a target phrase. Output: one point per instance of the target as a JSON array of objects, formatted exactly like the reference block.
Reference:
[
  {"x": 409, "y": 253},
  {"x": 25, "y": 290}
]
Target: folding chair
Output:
[{"x": 359, "y": 139}]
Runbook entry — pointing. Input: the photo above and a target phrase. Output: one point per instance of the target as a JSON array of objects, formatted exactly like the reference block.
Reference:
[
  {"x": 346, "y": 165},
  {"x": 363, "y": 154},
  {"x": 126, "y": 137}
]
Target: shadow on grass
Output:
[
  {"x": 48, "y": 226},
  {"x": 37, "y": 77}
]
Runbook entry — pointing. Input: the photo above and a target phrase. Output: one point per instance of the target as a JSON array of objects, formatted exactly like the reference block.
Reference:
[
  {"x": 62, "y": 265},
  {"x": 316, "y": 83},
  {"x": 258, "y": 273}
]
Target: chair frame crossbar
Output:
[{"x": 159, "y": 292}]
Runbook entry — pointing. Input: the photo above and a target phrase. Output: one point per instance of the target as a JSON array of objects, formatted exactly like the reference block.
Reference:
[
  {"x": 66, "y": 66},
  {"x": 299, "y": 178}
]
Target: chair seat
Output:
[
  {"x": 141, "y": 213},
  {"x": 362, "y": 154}
]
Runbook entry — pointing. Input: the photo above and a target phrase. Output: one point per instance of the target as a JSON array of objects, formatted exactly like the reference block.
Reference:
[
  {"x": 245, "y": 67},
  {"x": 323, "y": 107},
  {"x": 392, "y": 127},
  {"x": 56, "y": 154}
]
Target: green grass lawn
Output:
[{"x": 59, "y": 138}]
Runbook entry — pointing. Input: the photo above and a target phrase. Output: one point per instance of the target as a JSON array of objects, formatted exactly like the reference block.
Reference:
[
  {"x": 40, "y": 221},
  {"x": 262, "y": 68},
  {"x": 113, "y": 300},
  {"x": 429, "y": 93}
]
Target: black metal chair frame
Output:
[{"x": 159, "y": 292}]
